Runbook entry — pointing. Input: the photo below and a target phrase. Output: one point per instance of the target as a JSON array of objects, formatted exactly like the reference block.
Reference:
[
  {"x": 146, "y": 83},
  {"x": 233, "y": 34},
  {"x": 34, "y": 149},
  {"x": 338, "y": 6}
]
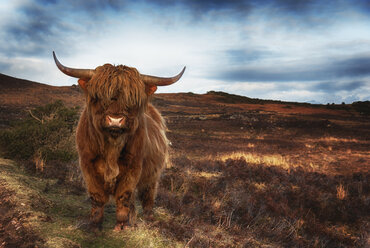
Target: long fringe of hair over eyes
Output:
[{"x": 121, "y": 82}]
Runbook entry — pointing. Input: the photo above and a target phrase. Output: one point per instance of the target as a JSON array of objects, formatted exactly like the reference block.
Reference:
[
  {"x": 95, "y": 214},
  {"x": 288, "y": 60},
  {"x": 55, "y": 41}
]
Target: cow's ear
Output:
[
  {"x": 82, "y": 83},
  {"x": 150, "y": 89}
]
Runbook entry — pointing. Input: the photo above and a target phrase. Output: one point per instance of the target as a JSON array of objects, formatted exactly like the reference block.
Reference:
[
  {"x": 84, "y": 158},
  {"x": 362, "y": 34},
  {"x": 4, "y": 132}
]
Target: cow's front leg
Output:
[
  {"x": 97, "y": 209},
  {"x": 125, "y": 196},
  {"x": 95, "y": 186},
  {"x": 125, "y": 210}
]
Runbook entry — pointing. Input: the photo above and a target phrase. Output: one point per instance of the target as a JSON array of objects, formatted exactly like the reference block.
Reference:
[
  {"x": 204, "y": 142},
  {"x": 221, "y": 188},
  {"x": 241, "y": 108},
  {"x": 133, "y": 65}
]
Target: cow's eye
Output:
[
  {"x": 113, "y": 99},
  {"x": 94, "y": 99}
]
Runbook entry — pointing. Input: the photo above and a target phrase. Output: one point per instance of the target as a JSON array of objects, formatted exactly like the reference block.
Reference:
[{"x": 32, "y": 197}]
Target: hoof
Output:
[
  {"x": 148, "y": 215},
  {"x": 121, "y": 227}
]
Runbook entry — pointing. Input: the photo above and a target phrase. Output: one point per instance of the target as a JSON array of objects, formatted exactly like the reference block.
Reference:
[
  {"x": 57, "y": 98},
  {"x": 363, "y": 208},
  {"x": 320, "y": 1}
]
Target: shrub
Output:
[
  {"x": 46, "y": 133},
  {"x": 362, "y": 107}
]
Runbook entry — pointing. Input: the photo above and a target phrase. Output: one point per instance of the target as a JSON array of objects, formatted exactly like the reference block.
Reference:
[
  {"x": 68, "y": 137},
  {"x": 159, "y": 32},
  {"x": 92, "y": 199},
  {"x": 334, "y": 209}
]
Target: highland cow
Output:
[{"x": 120, "y": 138}]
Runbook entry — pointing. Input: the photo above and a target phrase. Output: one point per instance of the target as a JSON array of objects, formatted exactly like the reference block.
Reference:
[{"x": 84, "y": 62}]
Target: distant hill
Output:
[
  {"x": 25, "y": 93},
  {"x": 231, "y": 98},
  {"x": 17, "y": 96},
  {"x": 20, "y": 93}
]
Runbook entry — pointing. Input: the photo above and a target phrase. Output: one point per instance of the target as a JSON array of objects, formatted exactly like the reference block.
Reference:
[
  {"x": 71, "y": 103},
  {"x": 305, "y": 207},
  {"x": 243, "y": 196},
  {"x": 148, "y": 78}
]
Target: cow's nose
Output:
[{"x": 115, "y": 122}]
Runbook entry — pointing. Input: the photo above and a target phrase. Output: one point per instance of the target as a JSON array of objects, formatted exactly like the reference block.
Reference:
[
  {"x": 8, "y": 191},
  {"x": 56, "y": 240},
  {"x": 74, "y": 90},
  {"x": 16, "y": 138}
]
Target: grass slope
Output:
[{"x": 49, "y": 213}]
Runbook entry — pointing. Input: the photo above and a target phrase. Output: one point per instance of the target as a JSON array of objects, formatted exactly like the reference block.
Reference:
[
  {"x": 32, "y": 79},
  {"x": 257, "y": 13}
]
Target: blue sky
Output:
[{"x": 292, "y": 50}]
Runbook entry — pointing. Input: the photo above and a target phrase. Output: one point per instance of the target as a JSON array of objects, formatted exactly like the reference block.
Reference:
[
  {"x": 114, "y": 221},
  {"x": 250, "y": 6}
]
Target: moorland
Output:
[{"x": 243, "y": 172}]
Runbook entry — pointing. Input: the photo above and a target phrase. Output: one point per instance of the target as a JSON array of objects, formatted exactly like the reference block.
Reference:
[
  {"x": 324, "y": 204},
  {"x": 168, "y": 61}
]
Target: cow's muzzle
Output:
[{"x": 115, "y": 122}]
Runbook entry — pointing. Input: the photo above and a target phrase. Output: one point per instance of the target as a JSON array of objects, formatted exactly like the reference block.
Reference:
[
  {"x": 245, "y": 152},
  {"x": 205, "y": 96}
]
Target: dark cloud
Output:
[
  {"x": 89, "y": 6},
  {"x": 337, "y": 86},
  {"x": 328, "y": 70},
  {"x": 206, "y": 5},
  {"x": 98, "y": 7},
  {"x": 297, "y": 6},
  {"x": 293, "y": 6},
  {"x": 357, "y": 66},
  {"x": 266, "y": 74},
  {"x": 45, "y": 25},
  {"x": 362, "y": 6},
  {"x": 301, "y": 15},
  {"x": 295, "y": 12},
  {"x": 304, "y": 8},
  {"x": 32, "y": 32},
  {"x": 221, "y": 6},
  {"x": 47, "y": 2},
  {"x": 198, "y": 10},
  {"x": 315, "y": 8}
]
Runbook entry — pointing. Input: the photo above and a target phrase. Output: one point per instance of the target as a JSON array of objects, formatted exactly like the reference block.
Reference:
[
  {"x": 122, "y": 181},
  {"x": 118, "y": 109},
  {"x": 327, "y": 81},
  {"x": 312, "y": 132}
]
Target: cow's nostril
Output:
[{"x": 115, "y": 122}]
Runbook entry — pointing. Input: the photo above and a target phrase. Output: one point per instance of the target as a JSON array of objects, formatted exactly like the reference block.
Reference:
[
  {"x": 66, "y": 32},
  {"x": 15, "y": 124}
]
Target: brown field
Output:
[{"x": 243, "y": 173}]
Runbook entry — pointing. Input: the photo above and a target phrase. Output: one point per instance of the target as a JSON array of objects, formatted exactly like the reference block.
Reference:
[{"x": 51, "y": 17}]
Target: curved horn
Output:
[
  {"x": 161, "y": 81},
  {"x": 77, "y": 73}
]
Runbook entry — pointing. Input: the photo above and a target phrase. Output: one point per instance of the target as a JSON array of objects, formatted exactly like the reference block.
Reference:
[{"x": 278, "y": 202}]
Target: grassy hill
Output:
[{"x": 243, "y": 173}]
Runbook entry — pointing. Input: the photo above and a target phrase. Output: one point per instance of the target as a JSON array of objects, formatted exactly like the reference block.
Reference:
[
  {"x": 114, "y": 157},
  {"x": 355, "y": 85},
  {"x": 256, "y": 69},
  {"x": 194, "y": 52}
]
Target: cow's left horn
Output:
[
  {"x": 161, "y": 81},
  {"x": 77, "y": 73}
]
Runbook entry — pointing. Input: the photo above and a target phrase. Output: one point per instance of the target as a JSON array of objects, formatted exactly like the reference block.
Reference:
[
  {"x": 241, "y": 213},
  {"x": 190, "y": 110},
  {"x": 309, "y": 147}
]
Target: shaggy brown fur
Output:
[{"x": 119, "y": 161}]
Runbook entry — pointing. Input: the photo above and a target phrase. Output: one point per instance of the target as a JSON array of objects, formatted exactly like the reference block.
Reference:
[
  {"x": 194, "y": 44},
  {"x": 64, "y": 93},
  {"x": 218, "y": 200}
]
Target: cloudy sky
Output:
[{"x": 292, "y": 50}]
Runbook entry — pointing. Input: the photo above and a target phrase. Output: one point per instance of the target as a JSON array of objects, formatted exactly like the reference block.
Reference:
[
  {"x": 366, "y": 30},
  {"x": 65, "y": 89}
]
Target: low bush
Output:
[
  {"x": 362, "y": 107},
  {"x": 47, "y": 133}
]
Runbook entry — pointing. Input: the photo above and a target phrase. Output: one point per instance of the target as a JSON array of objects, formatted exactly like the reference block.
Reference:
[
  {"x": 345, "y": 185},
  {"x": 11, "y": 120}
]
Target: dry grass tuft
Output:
[
  {"x": 251, "y": 158},
  {"x": 39, "y": 161},
  {"x": 341, "y": 192}
]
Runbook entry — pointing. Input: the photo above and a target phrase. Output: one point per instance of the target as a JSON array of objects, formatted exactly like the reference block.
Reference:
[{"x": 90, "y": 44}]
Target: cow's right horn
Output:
[{"x": 77, "y": 73}]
